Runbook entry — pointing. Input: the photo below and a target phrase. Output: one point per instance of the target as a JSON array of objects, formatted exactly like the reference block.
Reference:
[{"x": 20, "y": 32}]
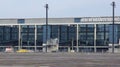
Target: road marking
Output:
[
  {"x": 23, "y": 66},
  {"x": 18, "y": 66},
  {"x": 44, "y": 66}
]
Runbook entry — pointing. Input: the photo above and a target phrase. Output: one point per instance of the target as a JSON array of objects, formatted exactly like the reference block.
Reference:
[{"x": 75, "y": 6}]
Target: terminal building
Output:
[{"x": 81, "y": 34}]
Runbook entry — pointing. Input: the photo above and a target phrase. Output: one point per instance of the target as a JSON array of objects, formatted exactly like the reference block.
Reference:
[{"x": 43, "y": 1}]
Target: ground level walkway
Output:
[{"x": 59, "y": 60}]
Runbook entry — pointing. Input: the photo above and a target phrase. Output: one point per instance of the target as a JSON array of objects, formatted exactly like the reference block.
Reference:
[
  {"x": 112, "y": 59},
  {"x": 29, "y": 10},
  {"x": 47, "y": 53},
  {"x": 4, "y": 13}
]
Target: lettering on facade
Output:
[{"x": 98, "y": 19}]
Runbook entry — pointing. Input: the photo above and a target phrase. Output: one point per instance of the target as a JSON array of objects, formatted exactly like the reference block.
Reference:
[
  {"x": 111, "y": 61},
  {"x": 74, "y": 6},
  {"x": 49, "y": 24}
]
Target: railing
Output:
[{"x": 62, "y": 48}]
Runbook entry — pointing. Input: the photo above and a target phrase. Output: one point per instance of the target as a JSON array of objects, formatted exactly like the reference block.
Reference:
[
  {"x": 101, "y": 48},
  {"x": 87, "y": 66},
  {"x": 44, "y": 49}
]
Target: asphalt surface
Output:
[{"x": 59, "y": 60}]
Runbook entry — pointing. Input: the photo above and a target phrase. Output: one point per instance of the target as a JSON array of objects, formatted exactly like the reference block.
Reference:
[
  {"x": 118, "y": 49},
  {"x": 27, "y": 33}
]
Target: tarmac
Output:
[{"x": 59, "y": 60}]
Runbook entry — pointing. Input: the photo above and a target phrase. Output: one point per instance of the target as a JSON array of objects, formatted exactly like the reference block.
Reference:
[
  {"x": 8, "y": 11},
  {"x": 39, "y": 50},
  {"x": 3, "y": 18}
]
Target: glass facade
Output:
[
  {"x": 79, "y": 34},
  {"x": 27, "y": 36},
  {"x": 67, "y": 35},
  {"x": 118, "y": 35},
  {"x": 8, "y": 36},
  {"x": 102, "y": 37},
  {"x": 86, "y": 37}
]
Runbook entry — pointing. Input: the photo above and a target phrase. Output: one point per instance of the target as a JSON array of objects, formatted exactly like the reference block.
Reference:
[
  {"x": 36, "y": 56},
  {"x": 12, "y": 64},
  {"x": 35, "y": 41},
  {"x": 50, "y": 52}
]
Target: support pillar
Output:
[
  {"x": 77, "y": 38},
  {"x": 95, "y": 38},
  {"x": 35, "y": 38},
  {"x": 19, "y": 38}
]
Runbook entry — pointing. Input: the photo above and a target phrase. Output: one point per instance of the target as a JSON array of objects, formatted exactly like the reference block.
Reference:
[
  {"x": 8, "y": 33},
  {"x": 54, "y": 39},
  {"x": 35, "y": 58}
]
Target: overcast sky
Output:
[{"x": 57, "y": 8}]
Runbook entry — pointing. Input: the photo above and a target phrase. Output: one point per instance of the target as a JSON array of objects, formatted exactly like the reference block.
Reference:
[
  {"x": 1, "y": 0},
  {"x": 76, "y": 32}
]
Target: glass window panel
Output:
[
  {"x": 31, "y": 38},
  {"x": 7, "y": 30},
  {"x": 83, "y": 25},
  {"x": 100, "y": 27},
  {"x": 14, "y": 30},
  {"x": 39, "y": 33},
  {"x": 24, "y": 30},
  {"x": 64, "y": 36},
  {"x": 82, "y": 33},
  {"x": 39, "y": 28},
  {"x": 90, "y": 25},
  {"x": 40, "y": 37},
  {"x": 90, "y": 29},
  {"x": 64, "y": 29},
  {"x": 15, "y": 36},
  {"x": 7, "y": 37},
  {"x": 21, "y": 21},
  {"x": 90, "y": 34},
  {"x": 72, "y": 29},
  {"x": 54, "y": 35},
  {"x": 31, "y": 33},
  {"x": 31, "y": 26},
  {"x": 32, "y": 30},
  {"x": 77, "y": 19},
  {"x": 24, "y": 26},
  {"x": 82, "y": 29},
  {"x": 72, "y": 36},
  {"x": 90, "y": 37},
  {"x": 54, "y": 29}
]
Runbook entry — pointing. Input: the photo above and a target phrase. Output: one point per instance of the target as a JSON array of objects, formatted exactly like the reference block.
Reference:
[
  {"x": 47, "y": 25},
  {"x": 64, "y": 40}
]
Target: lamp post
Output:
[
  {"x": 46, "y": 6},
  {"x": 113, "y": 8}
]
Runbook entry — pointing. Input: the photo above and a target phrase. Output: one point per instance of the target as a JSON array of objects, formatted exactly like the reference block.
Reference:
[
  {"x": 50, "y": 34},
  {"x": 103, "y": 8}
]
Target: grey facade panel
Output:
[
  {"x": 82, "y": 20},
  {"x": 8, "y": 21}
]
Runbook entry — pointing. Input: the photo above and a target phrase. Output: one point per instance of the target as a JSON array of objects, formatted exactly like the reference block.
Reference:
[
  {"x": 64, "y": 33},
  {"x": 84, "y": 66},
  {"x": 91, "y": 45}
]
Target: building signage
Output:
[{"x": 98, "y": 19}]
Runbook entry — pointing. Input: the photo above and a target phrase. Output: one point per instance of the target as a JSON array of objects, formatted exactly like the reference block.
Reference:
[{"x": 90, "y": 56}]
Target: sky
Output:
[{"x": 57, "y": 8}]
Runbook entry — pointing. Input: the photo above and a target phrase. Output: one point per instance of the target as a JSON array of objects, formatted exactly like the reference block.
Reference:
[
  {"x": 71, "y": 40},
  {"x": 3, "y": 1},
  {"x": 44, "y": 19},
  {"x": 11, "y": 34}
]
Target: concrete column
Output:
[
  {"x": 69, "y": 49},
  {"x": 19, "y": 38},
  {"x": 77, "y": 38},
  {"x": 35, "y": 38},
  {"x": 95, "y": 38}
]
